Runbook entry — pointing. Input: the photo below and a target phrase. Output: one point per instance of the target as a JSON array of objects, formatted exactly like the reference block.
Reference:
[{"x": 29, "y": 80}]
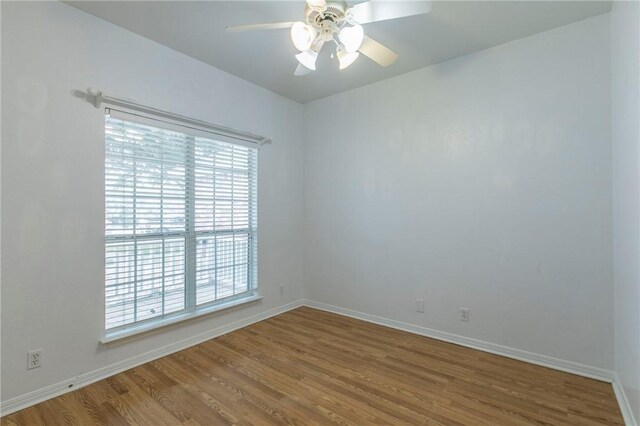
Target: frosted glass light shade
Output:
[
  {"x": 302, "y": 35},
  {"x": 346, "y": 58},
  {"x": 308, "y": 59},
  {"x": 351, "y": 37}
]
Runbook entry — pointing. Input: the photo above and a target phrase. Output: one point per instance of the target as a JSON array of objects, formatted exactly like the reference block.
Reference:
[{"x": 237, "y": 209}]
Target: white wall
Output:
[
  {"x": 625, "y": 101},
  {"x": 482, "y": 182},
  {"x": 52, "y": 182}
]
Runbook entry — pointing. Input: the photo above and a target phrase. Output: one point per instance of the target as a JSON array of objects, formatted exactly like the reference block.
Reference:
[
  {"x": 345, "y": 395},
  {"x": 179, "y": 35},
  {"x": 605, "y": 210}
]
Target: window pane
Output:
[
  {"x": 222, "y": 266},
  {"x": 145, "y": 179},
  {"x": 145, "y": 279},
  {"x": 120, "y": 283},
  {"x": 222, "y": 185}
]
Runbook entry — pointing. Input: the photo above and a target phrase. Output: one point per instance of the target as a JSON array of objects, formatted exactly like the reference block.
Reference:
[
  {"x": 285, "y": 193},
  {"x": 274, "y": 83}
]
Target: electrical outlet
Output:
[
  {"x": 281, "y": 290},
  {"x": 464, "y": 314},
  {"x": 419, "y": 305},
  {"x": 34, "y": 359}
]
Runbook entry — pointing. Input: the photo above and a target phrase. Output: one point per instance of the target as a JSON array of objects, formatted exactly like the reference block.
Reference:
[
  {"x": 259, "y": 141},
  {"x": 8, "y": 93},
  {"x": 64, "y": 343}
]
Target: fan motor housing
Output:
[{"x": 330, "y": 20}]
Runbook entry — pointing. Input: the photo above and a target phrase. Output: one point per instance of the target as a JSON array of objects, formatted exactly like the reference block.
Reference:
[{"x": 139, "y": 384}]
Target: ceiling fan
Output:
[{"x": 335, "y": 21}]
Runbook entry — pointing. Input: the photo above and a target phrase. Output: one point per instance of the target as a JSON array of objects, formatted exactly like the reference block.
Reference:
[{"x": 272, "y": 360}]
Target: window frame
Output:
[{"x": 190, "y": 234}]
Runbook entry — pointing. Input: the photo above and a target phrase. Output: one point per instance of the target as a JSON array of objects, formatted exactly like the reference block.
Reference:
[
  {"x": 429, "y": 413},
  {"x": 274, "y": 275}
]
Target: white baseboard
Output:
[
  {"x": 623, "y": 402},
  {"x": 40, "y": 395},
  {"x": 519, "y": 354}
]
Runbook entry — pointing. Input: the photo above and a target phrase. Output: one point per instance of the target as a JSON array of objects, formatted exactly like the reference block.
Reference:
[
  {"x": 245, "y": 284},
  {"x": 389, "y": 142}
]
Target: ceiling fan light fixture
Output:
[
  {"x": 346, "y": 58},
  {"x": 326, "y": 20},
  {"x": 308, "y": 59},
  {"x": 351, "y": 37},
  {"x": 302, "y": 35}
]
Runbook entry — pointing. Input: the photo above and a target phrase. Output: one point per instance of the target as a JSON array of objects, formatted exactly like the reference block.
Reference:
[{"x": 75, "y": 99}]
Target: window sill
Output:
[{"x": 136, "y": 330}]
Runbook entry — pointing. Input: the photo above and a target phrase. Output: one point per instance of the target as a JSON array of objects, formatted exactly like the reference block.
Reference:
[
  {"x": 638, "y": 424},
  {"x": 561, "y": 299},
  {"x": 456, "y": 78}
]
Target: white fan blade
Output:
[
  {"x": 301, "y": 70},
  {"x": 377, "y": 52},
  {"x": 251, "y": 27},
  {"x": 319, "y": 5},
  {"x": 374, "y": 11}
]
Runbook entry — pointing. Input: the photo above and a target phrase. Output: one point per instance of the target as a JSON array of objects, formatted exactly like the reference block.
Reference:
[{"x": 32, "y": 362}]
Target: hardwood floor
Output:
[{"x": 312, "y": 367}]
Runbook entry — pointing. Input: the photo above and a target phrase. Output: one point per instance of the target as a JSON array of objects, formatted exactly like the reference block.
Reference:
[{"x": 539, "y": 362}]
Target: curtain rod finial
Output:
[{"x": 97, "y": 94}]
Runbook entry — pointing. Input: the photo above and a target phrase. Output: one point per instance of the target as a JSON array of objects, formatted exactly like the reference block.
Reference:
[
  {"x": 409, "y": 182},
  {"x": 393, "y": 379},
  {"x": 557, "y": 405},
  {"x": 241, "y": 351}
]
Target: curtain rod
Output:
[{"x": 97, "y": 98}]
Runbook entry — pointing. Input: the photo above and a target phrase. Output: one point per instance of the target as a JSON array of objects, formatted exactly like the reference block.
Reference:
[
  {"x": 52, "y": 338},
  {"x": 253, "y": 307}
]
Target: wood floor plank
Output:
[{"x": 308, "y": 367}]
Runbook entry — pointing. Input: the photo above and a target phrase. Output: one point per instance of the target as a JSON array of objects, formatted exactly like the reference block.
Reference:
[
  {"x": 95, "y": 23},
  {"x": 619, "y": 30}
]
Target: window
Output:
[{"x": 180, "y": 221}]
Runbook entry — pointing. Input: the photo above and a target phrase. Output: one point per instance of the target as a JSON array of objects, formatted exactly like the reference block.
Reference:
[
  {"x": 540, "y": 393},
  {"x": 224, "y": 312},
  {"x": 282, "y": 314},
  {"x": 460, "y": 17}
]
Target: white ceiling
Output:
[{"x": 453, "y": 28}]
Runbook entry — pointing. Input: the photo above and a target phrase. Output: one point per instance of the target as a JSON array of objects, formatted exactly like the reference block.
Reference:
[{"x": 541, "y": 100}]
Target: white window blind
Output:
[{"x": 181, "y": 221}]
